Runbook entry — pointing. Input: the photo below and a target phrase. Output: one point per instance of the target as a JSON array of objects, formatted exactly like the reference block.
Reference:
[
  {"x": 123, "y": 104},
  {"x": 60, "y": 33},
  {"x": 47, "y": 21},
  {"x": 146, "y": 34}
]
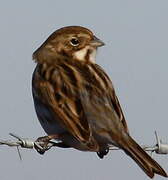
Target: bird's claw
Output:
[
  {"x": 42, "y": 144},
  {"x": 101, "y": 154}
]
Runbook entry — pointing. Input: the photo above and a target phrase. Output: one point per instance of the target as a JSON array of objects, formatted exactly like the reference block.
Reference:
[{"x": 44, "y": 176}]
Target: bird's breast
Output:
[{"x": 47, "y": 119}]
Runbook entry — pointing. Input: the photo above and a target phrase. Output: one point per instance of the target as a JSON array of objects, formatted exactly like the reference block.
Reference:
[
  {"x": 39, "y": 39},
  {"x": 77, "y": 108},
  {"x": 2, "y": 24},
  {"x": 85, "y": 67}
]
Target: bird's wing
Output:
[
  {"x": 67, "y": 109},
  {"x": 79, "y": 110},
  {"x": 101, "y": 104},
  {"x": 67, "y": 112},
  {"x": 117, "y": 107}
]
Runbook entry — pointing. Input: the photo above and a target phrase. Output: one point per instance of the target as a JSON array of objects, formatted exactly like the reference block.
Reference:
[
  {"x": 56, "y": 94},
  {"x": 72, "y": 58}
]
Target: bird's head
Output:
[{"x": 75, "y": 42}]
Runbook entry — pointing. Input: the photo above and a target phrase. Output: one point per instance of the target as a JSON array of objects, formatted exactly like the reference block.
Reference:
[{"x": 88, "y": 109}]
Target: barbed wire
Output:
[{"x": 158, "y": 148}]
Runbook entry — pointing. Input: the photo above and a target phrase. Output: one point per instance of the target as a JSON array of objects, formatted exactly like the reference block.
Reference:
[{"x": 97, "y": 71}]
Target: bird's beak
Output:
[{"x": 96, "y": 42}]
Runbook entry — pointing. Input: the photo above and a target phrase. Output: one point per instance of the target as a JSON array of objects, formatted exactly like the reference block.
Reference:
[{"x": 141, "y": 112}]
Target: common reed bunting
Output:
[{"x": 75, "y": 100}]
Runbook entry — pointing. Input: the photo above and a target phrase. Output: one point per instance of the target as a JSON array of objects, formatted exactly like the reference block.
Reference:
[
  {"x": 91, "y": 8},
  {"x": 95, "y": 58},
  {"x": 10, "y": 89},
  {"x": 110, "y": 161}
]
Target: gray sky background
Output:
[{"x": 135, "y": 57}]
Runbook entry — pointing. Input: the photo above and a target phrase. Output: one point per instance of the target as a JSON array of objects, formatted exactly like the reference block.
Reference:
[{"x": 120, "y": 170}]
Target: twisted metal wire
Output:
[{"x": 158, "y": 148}]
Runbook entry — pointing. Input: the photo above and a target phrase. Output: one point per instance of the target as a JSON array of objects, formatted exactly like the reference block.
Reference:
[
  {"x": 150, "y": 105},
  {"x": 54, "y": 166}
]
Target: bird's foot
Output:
[
  {"x": 43, "y": 144},
  {"x": 102, "y": 153}
]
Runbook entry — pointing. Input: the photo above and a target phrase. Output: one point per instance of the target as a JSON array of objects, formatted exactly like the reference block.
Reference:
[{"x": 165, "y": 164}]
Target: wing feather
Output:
[{"x": 67, "y": 110}]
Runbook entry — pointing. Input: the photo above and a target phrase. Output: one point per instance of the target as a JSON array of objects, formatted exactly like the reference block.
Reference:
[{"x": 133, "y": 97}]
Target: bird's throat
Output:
[{"x": 87, "y": 54}]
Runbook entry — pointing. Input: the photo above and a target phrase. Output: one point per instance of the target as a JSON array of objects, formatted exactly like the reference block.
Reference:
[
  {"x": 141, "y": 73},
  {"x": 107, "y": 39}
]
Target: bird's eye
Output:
[{"x": 74, "y": 41}]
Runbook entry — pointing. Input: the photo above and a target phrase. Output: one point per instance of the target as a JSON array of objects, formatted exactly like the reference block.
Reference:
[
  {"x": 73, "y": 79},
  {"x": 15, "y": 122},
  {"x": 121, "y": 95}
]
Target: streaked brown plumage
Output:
[{"x": 75, "y": 100}]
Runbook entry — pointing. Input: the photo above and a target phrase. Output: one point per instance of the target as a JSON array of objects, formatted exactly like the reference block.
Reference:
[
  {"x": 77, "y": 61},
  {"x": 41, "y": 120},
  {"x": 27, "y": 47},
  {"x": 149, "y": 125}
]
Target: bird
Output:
[{"x": 75, "y": 100}]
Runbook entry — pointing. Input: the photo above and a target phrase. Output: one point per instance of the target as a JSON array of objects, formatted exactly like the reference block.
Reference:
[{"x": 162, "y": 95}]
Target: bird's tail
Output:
[{"x": 145, "y": 162}]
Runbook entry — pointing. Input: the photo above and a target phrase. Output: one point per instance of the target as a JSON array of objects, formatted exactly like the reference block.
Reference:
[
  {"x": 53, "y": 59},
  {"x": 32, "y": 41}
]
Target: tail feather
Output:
[{"x": 145, "y": 162}]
